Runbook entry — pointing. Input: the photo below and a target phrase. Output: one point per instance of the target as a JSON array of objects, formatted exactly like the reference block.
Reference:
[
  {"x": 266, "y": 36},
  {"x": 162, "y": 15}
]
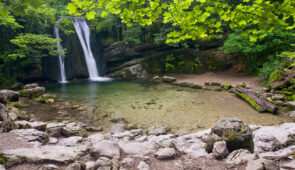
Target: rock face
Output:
[
  {"x": 220, "y": 150},
  {"x": 236, "y": 133}
]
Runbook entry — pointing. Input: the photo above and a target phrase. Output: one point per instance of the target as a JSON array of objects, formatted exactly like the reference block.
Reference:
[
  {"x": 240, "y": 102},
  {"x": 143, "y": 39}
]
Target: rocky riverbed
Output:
[{"x": 229, "y": 144}]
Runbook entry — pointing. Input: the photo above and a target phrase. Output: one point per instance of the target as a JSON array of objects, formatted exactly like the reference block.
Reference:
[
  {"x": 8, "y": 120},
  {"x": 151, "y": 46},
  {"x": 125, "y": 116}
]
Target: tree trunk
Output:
[{"x": 255, "y": 101}]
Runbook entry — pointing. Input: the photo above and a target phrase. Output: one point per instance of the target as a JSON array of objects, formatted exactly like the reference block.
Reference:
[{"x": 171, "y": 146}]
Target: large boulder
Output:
[
  {"x": 10, "y": 95},
  {"x": 32, "y": 91},
  {"x": 236, "y": 133}
]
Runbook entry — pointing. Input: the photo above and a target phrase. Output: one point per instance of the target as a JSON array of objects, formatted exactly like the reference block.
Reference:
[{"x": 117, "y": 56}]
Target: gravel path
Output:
[{"x": 222, "y": 77}]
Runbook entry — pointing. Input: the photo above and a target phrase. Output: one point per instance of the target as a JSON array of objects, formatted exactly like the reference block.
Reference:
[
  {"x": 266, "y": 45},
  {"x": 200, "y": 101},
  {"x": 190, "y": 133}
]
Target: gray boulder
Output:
[
  {"x": 165, "y": 153},
  {"x": 32, "y": 92},
  {"x": 54, "y": 129},
  {"x": 220, "y": 150},
  {"x": 10, "y": 95},
  {"x": 73, "y": 129},
  {"x": 23, "y": 124},
  {"x": 236, "y": 133}
]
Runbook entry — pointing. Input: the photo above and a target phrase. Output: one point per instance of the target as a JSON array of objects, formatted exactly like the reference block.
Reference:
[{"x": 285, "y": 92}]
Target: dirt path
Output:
[{"x": 222, "y": 77}]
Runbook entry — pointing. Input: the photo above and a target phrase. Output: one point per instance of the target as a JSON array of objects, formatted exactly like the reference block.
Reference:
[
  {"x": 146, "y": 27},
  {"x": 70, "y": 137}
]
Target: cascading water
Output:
[
  {"x": 63, "y": 78},
  {"x": 83, "y": 32}
]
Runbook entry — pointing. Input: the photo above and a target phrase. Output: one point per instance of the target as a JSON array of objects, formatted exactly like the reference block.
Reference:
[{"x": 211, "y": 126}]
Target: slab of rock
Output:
[
  {"x": 137, "y": 148},
  {"x": 261, "y": 164},
  {"x": 47, "y": 153},
  {"x": 71, "y": 141},
  {"x": 168, "y": 79},
  {"x": 54, "y": 129},
  {"x": 235, "y": 132},
  {"x": 73, "y": 129},
  {"x": 23, "y": 124},
  {"x": 32, "y": 135},
  {"x": 30, "y": 86},
  {"x": 239, "y": 157},
  {"x": 32, "y": 92},
  {"x": 165, "y": 153},
  {"x": 109, "y": 149},
  {"x": 143, "y": 166},
  {"x": 220, "y": 150},
  {"x": 158, "y": 130}
]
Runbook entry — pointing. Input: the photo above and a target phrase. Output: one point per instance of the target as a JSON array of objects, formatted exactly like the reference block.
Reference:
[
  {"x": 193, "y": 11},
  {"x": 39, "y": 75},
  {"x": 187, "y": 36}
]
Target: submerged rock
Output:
[
  {"x": 165, "y": 153},
  {"x": 168, "y": 79}
]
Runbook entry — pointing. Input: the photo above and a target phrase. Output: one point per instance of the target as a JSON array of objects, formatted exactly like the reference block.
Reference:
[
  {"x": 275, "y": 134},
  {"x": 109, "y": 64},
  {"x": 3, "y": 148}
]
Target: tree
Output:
[{"x": 205, "y": 19}]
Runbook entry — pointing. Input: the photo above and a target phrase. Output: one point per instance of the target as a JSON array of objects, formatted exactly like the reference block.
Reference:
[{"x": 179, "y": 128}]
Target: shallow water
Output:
[{"x": 181, "y": 109}]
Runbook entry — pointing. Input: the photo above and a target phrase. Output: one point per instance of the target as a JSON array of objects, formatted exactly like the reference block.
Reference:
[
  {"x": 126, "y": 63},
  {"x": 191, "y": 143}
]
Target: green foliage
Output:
[
  {"x": 66, "y": 25},
  {"x": 205, "y": 19},
  {"x": 276, "y": 75},
  {"x": 261, "y": 53},
  {"x": 290, "y": 55},
  {"x": 181, "y": 64},
  {"x": 132, "y": 35}
]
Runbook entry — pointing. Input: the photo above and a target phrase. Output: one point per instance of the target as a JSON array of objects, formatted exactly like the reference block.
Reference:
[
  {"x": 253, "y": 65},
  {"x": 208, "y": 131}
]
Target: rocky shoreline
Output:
[{"x": 229, "y": 144}]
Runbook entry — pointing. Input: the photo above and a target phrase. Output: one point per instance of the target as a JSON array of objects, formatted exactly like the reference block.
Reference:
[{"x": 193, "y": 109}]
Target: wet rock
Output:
[
  {"x": 54, "y": 129},
  {"x": 50, "y": 167},
  {"x": 127, "y": 163},
  {"x": 76, "y": 166},
  {"x": 143, "y": 166},
  {"x": 165, "y": 153},
  {"x": 220, "y": 150},
  {"x": 156, "y": 79},
  {"x": 239, "y": 157},
  {"x": 32, "y": 135},
  {"x": 71, "y": 141},
  {"x": 261, "y": 164},
  {"x": 168, "y": 79},
  {"x": 32, "y": 92},
  {"x": 73, "y": 129},
  {"x": 103, "y": 163},
  {"x": 236, "y": 133},
  {"x": 108, "y": 149},
  {"x": 158, "y": 130},
  {"x": 47, "y": 153},
  {"x": 23, "y": 124},
  {"x": 10, "y": 95}
]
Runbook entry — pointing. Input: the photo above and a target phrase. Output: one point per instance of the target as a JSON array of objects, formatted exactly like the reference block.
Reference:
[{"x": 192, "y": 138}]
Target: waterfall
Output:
[
  {"x": 83, "y": 32},
  {"x": 63, "y": 78}
]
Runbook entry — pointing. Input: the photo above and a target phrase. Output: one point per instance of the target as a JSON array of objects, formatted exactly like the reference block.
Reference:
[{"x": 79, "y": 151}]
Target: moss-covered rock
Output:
[
  {"x": 212, "y": 83},
  {"x": 32, "y": 93},
  {"x": 46, "y": 97},
  {"x": 276, "y": 75},
  {"x": 226, "y": 86},
  {"x": 3, "y": 160}
]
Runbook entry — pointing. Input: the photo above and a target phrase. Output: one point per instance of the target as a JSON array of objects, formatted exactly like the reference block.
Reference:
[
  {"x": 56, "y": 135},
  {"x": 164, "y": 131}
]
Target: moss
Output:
[
  {"x": 17, "y": 105},
  {"x": 249, "y": 100},
  {"x": 276, "y": 75},
  {"x": 195, "y": 86},
  {"x": 226, "y": 86},
  {"x": 3, "y": 160}
]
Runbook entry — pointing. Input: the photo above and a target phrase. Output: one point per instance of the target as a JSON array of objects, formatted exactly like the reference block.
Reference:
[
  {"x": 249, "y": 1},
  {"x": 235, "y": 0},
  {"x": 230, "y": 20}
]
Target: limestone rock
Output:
[
  {"x": 32, "y": 135},
  {"x": 103, "y": 163},
  {"x": 236, "y": 133},
  {"x": 54, "y": 129},
  {"x": 30, "y": 86},
  {"x": 76, "y": 166},
  {"x": 137, "y": 148},
  {"x": 2, "y": 167},
  {"x": 289, "y": 165},
  {"x": 156, "y": 79},
  {"x": 127, "y": 163},
  {"x": 50, "y": 167},
  {"x": 168, "y": 79},
  {"x": 158, "y": 130},
  {"x": 90, "y": 165},
  {"x": 23, "y": 124},
  {"x": 143, "y": 166},
  {"x": 107, "y": 149},
  {"x": 52, "y": 140},
  {"x": 32, "y": 92},
  {"x": 73, "y": 129},
  {"x": 47, "y": 153},
  {"x": 12, "y": 160},
  {"x": 10, "y": 95},
  {"x": 71, "y": 141},
  {"x": 239, "y": 157},
  {"x": 261, "y": 164},
  {"x": 220, "y": 150},
  {"x": 165, "y": 153}
]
